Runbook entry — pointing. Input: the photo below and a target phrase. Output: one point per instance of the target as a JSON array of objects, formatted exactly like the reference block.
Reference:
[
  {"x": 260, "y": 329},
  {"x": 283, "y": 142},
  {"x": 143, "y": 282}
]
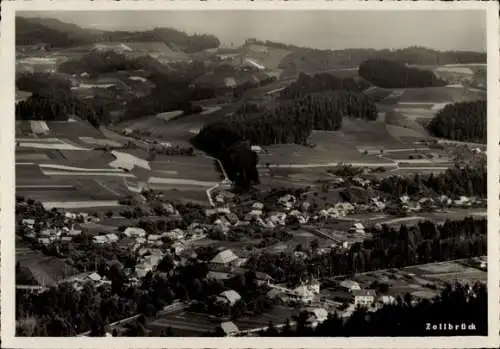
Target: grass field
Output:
[{"x": 46, "y": 270}]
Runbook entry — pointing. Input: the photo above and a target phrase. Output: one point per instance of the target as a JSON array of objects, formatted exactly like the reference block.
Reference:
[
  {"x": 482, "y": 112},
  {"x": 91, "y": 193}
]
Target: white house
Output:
[
  {"x": 363, "y": 298},
  {"x": 229, "y": 297},
  {"x": 28, "y": 222},
  {"x": 134, "y": 232}
]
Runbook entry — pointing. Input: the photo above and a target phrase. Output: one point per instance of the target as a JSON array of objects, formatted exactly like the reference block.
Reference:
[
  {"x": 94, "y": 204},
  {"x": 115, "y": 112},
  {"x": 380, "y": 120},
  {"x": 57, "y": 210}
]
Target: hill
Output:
[
  {"x": 54, "y": 33},
  {"x": 58, "y": 34},
  {"x": 313, "y": 61}
]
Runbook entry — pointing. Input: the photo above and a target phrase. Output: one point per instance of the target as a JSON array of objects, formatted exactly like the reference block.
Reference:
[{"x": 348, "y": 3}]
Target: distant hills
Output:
[
  {"x": 273, "y": 55},
  {"x": 58, "y": 34}
]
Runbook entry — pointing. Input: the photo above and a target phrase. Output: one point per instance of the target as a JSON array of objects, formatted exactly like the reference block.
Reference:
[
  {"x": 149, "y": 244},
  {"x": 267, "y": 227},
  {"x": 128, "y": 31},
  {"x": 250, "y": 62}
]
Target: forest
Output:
[
  {"x": 322, "y": 82},
  {"x": 392, "y": 74},
  {"x": 57, "y": 105},
  {"x": 290, "y": 122},
  {"x": 462, "y": 121},
  {"x": 456, "y": 181},
  {"x": 388, "y": 248}
]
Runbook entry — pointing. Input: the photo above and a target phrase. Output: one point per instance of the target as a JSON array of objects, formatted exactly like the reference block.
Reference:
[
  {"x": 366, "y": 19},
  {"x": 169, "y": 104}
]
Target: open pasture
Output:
[
  {"x": 181, "y": 193},
  {"x": 46, "y": 270},
  {"x": 441, "y": 95},
  {"x": 297, "y": 155},
  {"x": 407, "y": 130},
  {"x": 269, "y": 57},
  {"x": 198, "y": 168},
  {"x": 449, "y": 272},
  {"x": 72, "y": 130}
]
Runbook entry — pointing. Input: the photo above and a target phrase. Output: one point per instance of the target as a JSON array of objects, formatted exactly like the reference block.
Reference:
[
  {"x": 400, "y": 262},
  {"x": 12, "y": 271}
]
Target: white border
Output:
[{"x": 7, "y": 223}]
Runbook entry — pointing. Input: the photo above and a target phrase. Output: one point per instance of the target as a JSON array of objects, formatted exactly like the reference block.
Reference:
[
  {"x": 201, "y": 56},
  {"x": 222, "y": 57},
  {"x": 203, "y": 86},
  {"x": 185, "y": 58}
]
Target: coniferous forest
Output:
[
  {"x": 322, "y": 82},
  {"x": 463, "y": 121},
  {"x": 290, "y": 122},
  {"x": 391, "y": 74}
]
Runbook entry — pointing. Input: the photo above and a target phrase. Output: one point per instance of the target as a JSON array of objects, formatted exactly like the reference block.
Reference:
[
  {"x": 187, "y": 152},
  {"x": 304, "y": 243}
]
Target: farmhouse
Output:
[
  {"x": 224, "y": 260},
  {"x": 229, "y": 297},
  {"x": 134, "y": 232},
  {"x": 363, "y": 297},
  {"x": 28, "y": 222},
  {"x": 357, "y": 228}
]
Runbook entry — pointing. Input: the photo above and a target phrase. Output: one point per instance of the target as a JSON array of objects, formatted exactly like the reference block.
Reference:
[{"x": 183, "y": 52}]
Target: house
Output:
[
  {"x": 112, "y": 237},
  {"x": 258, "y": 206},
  {"x": 363, "y": 298},
  {"x": 178, "y": 247},
  {"x": 256, "y": 148},
  {"x": 44, "y": 241},
  {"x": 94, "y": 277},
  {"x": 224, "y": 260},
  {"x": 462, "y": 201},
  {"x": 229, "y": 297},
  {"x": 175, "y": 234},
  {"x": 387, "y": 299},
  {"x": 28, "y": 222},
  {"x": 229, "y": 328},
  {"x": 278, "y": 218},
  {"x": 357, "y": 228},
  {"x": 350, "y": 285},
  {"x": 70, "y": 215},
  {"x": 287, "y": 201},
  {"x": 153, "y": 237},
  {"x": 99, "y": 240},
  {"x": 134, "y": 232}
]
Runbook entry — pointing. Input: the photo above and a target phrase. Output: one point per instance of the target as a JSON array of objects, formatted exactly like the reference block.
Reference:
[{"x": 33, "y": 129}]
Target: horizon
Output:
[{"x": 351, "y": 29}]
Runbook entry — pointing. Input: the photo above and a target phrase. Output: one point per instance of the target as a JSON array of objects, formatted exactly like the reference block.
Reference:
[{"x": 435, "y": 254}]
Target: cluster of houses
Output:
[{"x": 51, "y": 234}]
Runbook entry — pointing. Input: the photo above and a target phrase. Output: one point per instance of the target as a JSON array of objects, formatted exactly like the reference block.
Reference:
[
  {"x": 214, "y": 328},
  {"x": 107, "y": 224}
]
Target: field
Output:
[
  {"x": 414, "y": 279},
  {"x": 183, "y": 322},
  {"x": 46, "y": 270},
  {"x": 267, "y": 56},
  {"x": 58, "y": 172}
]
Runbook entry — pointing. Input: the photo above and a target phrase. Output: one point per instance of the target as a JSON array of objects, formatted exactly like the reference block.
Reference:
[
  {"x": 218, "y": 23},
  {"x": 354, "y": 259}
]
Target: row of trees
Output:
[
  {"x": 407, "y": 317},
  {"x": 463, "y": 121},
  {"x": 391, "y": 74},
  {"x": 469, "y": 181},
  {"x": 388, "y": 248}
]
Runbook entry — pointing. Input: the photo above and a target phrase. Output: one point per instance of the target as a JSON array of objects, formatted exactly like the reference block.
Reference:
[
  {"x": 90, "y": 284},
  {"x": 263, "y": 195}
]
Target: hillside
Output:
[
  {"x": 54, "y": 33},
  {"x": 58, "y": 34},
  {"x": 314, "y": 61}
]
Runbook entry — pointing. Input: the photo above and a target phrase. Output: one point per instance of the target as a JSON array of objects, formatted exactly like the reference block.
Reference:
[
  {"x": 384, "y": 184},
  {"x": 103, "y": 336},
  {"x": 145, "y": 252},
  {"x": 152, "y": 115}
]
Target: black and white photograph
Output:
[{"x": 246, "y": 172}]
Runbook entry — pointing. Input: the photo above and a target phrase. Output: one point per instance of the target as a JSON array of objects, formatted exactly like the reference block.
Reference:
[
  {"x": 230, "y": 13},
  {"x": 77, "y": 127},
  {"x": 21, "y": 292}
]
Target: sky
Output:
[{"x": 436, "y": 29}]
